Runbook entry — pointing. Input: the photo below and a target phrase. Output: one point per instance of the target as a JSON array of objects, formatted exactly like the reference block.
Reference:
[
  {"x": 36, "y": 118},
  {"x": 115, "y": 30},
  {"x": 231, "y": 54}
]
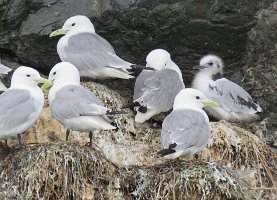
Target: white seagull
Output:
[
  {"x": 3, "y": 71},
  {"x": 155, "y": 91},
  {"x": 90, "y": 53},
  {"x": 236, "y": 104},
  {"x": 22, "y": 103},
  {"x": 186, "y": 130},
  {"x": 74, "y": 106}
]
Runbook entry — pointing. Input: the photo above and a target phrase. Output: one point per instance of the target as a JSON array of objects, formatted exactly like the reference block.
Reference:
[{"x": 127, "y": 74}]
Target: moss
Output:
[
  {"x": 186, "y": 180},
  {"x": 54, "y": 171},
  {"x": 70, "y": 171}
]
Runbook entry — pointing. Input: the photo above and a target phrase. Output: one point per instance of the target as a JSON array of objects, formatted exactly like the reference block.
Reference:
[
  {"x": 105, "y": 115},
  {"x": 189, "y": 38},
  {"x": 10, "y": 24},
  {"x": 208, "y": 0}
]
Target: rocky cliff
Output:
[{"x": 237, "y": 164}]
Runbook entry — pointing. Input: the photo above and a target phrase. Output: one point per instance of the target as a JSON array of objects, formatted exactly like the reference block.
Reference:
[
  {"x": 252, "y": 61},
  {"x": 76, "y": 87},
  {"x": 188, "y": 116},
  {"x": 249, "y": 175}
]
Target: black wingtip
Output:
[
  {"x": 115, "y": 112},
  {"x": 168, "y": 151},
  {"x": 131, "y": 105},
  {"x": 165, "y": 152},
  {"x": 142, "y": 109},
  {"x": 115, "y": 125},
  {"x": 141, "y": 67}
]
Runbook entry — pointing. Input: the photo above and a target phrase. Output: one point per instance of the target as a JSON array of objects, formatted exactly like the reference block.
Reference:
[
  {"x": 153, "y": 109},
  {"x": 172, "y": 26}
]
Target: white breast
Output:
[
  {"x": 202, "y": 81},
  {"x": 61, "y": 46}
]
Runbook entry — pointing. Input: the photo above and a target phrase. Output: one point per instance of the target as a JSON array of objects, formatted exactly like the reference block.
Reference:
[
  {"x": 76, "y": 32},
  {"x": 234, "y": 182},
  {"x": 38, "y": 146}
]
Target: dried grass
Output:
[{"x": 70, "y": 171}]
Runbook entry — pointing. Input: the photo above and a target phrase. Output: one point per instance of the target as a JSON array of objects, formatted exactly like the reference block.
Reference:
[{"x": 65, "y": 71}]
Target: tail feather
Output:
[
  {"x": 2, "y": 86},
  {"x": 142, "y": 117},
  {"x": 118, "y": 73},
  {"x": 259, "y": 108}
]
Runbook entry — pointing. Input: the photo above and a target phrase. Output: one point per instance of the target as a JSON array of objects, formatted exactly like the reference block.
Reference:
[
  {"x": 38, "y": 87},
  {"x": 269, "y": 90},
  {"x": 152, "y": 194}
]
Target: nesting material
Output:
[
  {"x": 63, "y": 171},
  {"x": 236, "y": 164}
]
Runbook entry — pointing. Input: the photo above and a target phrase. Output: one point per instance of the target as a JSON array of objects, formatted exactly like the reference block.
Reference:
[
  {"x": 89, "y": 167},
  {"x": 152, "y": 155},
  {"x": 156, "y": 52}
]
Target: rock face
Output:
[
  {"x": 237, "y": 164},
  {"x": 260, "y": 75},
  {"x": 187, "y": 29}
]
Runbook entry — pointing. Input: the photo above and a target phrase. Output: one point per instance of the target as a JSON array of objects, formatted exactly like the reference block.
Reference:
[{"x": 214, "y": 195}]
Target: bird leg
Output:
[
  {"x": 19, "y": 140},
  {"x": 90, "y": 138},
  {"x": 67, "y": 134}
]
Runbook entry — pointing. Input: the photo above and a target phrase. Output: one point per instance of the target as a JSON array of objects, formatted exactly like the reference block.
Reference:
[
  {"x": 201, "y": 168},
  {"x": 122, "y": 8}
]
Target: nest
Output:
[
  {"x": 69, "y": 171},
  {"x": 123, "y": 165},
  {"x": 54, "y": 171}
]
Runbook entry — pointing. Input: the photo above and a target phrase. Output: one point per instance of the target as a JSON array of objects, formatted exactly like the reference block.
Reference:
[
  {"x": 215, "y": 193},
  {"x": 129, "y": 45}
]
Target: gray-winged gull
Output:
[
  {"x": 3, "y": 71},
  {"x": 22, "y": 103},
  {"x": 186, "y": 130},
  {"x": 236, "y": 104},
  {"x": 155, "y": 91},
  {"x": 74, "y": 106},
  {"x": 90, "y": 53}
]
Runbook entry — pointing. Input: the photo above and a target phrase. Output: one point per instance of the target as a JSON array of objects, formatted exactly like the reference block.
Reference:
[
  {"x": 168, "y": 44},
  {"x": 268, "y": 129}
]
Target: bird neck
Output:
[
  {"x": 57, "y": 86},
  {"x": 24, "y": 85},
  {"x": 205, "y": 77},
  {"x": 181, "y": 103},
  {"x": 34, "y": 90},
  {"x": 82, "y": 30},
  {"x": 191, "y": 106},
  {"x": 174, "y": 67},
  {"x": 212, "y": 74}
]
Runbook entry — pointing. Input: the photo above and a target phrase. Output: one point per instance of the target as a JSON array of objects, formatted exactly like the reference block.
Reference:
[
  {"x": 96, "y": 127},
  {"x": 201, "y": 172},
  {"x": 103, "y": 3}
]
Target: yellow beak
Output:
[
  {"x": 46, "y": 83},
  {"x": 58, "y": 32},
  {"x": 211, "y": 104}
]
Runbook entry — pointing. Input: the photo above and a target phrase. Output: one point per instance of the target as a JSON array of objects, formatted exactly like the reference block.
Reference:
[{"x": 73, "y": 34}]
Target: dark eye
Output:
[
  {"x": 210, "y": 63},
  {"x": 197, "y": 97},
  {"x": 54, "y": 73},
  {"x": 28, "y": 75},
  {"x": 73, "y": 24}
]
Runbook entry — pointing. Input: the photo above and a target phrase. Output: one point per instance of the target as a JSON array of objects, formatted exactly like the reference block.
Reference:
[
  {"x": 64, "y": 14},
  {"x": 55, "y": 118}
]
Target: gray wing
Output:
[
  {"x": 139, "y": 84},
  {"x": 4, "y": 69},
  {"x": 186, "y": 128},
  {"x": 232, "y": 97},
  {"x": 160, "y": 89},
  {"x": 91, "y": 51},
  {"x": 16, "y": 106},
  {"x": 74, "y": 101}
]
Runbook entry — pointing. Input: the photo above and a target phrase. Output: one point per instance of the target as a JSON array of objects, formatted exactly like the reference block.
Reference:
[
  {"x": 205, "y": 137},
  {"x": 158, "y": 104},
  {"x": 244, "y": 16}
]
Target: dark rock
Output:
[
  {"x": 187, "y": 29},
  {"x": 260, "y": 75}
]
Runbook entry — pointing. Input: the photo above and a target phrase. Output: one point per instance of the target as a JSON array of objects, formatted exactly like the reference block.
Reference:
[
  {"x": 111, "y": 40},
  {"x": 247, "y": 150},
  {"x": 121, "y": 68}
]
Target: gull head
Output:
[
  {"x": 64, "y": 73},
  {"x": 210, "y": 63},
  {"x": 76, "y": 24},
  {"x": 26, "y": 76},
  {"x": 158, "y": 59},
  {"x": 192, "y": 98}
]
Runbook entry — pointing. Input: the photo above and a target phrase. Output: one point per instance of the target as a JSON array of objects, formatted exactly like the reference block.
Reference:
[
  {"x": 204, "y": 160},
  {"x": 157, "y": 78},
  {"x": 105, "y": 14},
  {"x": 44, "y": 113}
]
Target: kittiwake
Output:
[
  {"x": 186, "y": 130},
  {"x": 236, "y": 104},
  {"x": 22, "y": 103},
  {"x": 3, "y": 71},
  {"x": 74, "y": 106},
  {"x": 90, "y": 53},
  {"x": 155, "y": 91}
]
